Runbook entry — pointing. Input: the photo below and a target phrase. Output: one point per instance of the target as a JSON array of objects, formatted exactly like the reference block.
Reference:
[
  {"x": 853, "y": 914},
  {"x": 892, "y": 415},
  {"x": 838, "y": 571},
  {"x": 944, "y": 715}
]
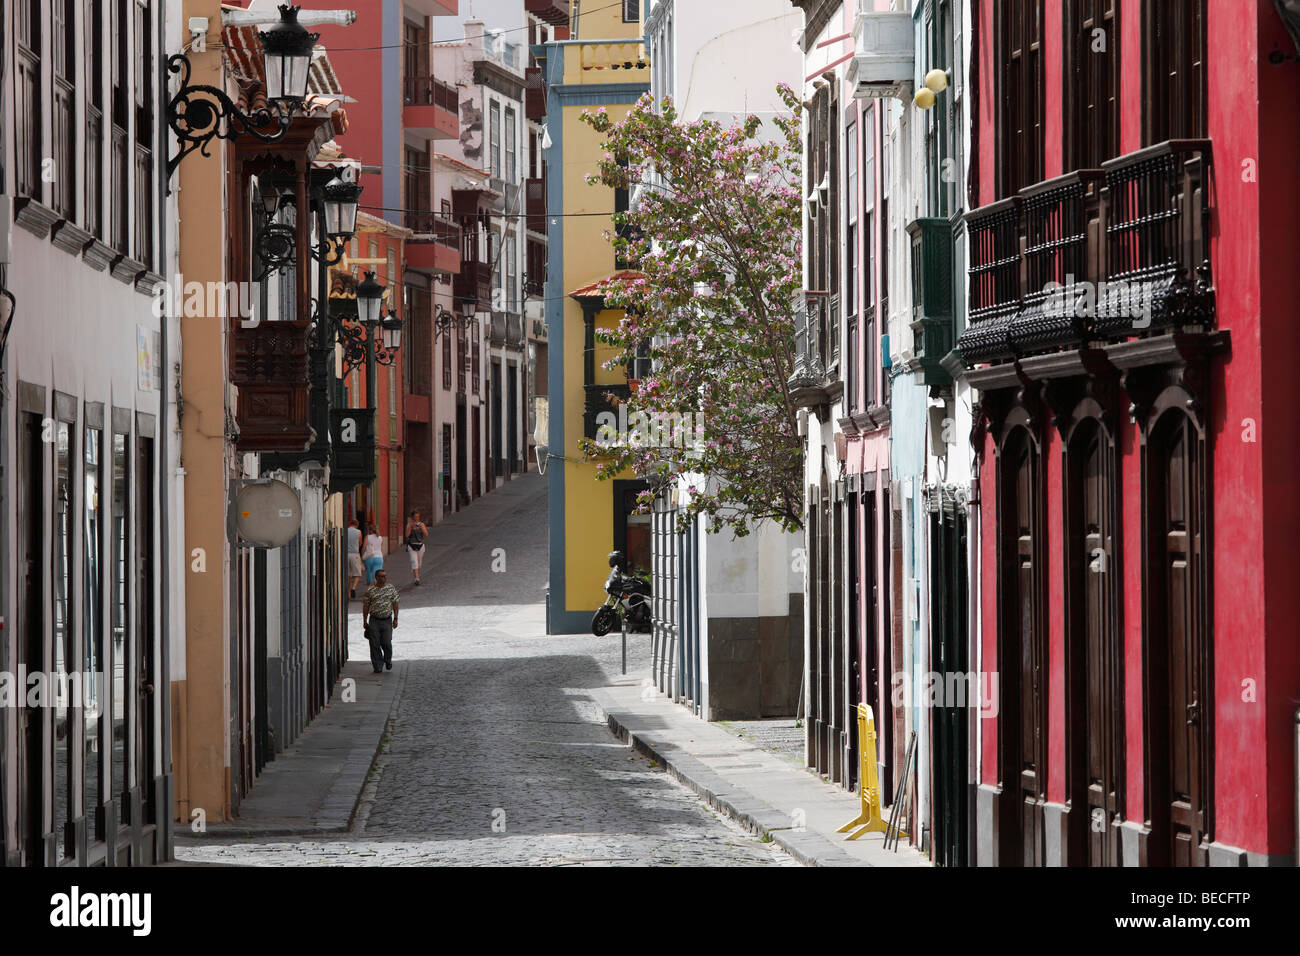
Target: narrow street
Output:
[{"x": 496, "y": 753}]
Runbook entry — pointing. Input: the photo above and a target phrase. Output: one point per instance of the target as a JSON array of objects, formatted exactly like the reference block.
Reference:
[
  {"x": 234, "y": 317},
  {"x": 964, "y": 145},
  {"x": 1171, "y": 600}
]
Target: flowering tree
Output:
[{"x": 716, "y": 239}]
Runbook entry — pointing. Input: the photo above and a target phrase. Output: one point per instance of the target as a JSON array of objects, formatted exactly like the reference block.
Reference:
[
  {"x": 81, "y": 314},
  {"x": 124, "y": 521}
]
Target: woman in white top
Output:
[{"x": 372, "y": 554}]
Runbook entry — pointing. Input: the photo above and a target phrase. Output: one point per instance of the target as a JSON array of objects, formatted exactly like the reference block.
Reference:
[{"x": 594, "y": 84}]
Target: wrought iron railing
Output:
[
  {"x": 1157, "y": 239},
  {"x": 1058, "y": 255},
  {"x": 431, "y": 91},
  {"x": 1095, "y": 255},
  {"x": 809, "y": 368}
]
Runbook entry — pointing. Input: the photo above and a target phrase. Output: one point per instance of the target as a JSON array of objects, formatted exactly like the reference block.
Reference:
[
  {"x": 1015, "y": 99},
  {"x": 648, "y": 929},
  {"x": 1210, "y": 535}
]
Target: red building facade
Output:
[{"x": 1137, "y": 589}]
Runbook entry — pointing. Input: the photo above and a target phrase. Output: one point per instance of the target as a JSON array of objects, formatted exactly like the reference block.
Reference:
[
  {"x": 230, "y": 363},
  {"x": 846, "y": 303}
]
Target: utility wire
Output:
[{"x": 394, "y": 46}]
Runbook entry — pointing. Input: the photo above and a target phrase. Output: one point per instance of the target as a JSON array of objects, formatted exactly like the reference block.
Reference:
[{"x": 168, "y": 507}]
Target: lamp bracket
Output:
[{"x": 199, "y": 113}]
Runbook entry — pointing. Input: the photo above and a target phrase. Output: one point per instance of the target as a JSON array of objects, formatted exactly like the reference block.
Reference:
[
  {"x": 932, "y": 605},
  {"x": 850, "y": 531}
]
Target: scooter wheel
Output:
[{"x": 603, "y": 621}]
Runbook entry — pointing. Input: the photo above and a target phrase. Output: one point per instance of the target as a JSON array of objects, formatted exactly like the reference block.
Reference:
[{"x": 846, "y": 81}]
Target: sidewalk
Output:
[
  {"x": 763, "y": 791},
  {"x": 315, "y": 785}
]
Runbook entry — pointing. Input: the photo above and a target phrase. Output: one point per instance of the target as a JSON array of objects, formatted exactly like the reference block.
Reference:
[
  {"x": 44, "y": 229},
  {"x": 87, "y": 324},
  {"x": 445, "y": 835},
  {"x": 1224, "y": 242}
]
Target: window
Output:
[
  {"x": 1173, "y": 67},
  {"x": 512, "y": 274},
  {"x": 511, "y": 168},
  {"x": 64, "y": 126},
  {"x": 121, "y": 591},
  {"x": 1019, "y": 34},
  {"x": 119, "y": 157},
  {"x": 64, "y": 809},
  {"x": 885, "y": 182},
  {"x": 940, "y": 120},
  {"x": 393, "y": 511},
  {"x": 462, "y": 360},
  {"x": 494, "y": 131},
  {"x": 27, "y": 98},
  {"x": 473, "y": 371},
  {"x": 446, "y": 358},
  {"x": 1092, "y": 76},
  {"x": 870, "y": 358},
  {"x": 631, "y": 11},
  {"x": 94, "y": 148},
  {"x": 417, "y": 201},
  {"x": 96, "y": 727},
  {"x": 851, "y": 197},
  {"x": 391, "y": 375}
]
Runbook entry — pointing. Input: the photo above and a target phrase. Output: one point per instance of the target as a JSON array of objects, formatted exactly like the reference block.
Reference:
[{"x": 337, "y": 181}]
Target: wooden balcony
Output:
[
  {"x": 535, "y": 95},
  {"x": 535, "y": 193},
  {"x": 1092, "y": 257},
  {"x": 431, "y": 108},
  {"x": 271, "y": 371},
  {"x": 554, "y": 12},
  {"x": 435, "y": 248},
  {"x": 472, "y": 286}
]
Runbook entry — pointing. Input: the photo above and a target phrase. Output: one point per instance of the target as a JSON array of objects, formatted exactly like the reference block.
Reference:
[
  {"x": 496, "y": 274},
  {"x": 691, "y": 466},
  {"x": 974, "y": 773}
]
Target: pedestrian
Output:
[
  {"x": 379, "y": 617},
  {"x": 415, "y": 534},
  {"x": 355, "y": 568},
  {"x": 373, "y": 554}
]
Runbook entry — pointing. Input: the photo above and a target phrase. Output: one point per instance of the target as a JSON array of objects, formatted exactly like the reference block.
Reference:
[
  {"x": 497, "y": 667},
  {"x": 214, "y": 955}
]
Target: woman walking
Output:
[
  {"x": 373, "y": 554},
  {"x": 415, "y": 534}
]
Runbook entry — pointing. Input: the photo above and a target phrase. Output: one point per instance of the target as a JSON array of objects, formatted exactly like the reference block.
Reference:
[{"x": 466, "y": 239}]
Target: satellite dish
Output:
[{"x": 266, "y": 513}]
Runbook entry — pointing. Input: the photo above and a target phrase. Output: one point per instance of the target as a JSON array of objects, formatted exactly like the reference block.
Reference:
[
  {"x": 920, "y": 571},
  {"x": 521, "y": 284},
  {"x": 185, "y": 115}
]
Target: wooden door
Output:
[
  {"x": 1024, "y": 763},
  {"x": 31, "y": 640},
  {"x": 812, "y": 560},
  {"x": 1178, "y": 698},
  {"x": 853, "y": 689},
  {"x": 144, "y": 734},
  {"x": 1094, "y": 737}
]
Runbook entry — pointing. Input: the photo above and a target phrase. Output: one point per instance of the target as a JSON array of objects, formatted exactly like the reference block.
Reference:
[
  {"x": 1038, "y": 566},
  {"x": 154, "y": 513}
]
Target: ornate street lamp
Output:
[
  {"x": 340, "y": 200},
  {"x": 375, "y": 340},
  {"x": 286, "y": 50},
  {"x": 198, "y": 113},
  {"x": 392, "y": 335},
  {"x": 370, "y": 300}
]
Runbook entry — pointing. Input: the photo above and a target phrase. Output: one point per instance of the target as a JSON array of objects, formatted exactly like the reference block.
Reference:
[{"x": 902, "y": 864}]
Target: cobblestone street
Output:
[{"x": 496, "y": 753}]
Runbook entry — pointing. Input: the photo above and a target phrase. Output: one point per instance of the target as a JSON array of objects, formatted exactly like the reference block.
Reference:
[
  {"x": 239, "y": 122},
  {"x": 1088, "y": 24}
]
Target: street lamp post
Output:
[{"x": 373, "y": 351}]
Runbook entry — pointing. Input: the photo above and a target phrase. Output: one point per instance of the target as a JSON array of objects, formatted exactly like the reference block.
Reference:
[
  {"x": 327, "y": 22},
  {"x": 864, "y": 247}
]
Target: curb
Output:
[{"x": 755, "y": 815}]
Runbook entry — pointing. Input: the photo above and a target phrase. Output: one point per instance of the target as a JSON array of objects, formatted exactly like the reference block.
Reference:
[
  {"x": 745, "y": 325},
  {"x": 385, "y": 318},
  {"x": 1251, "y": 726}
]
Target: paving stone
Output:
[{"x": 497, "y": 752}]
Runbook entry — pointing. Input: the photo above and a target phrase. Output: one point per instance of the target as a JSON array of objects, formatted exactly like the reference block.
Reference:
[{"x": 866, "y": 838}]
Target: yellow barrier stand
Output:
[{"x": 869, "y": 820}]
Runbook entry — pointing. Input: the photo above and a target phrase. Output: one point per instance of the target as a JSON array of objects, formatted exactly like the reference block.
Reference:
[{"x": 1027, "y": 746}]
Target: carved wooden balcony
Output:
[
  {"x": 1092, "y": 257},
  {"x": 271, "y": 370}
]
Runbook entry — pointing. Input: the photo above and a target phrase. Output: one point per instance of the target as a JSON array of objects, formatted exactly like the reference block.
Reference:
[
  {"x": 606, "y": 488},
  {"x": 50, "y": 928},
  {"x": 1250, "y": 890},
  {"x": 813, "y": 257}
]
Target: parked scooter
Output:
[{"x": 628, "y": 599}]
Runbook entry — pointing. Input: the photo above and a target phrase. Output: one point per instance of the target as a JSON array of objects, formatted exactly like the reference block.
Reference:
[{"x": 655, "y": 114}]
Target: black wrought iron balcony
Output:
[
  {"x": 1157, "y": 266},
  {"x": 1092, "y": 257},
  {"x": 602, "y": 399},
  {"x": 808, "y": 384},
  {"x": 993, "y": 275}
]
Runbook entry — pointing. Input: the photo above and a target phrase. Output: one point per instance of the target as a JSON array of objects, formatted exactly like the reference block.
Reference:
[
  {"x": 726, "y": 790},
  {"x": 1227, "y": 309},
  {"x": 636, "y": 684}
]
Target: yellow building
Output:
[{"x": 605, "y": 65}]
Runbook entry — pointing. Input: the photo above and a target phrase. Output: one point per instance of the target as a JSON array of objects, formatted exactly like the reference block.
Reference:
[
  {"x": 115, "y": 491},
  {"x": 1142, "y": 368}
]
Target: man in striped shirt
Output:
[{"x": 379, "y": 612}]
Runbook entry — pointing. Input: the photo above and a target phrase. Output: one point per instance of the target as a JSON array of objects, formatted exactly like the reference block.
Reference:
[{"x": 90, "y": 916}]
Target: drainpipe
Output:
[{"x": 165, "y": 811}]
